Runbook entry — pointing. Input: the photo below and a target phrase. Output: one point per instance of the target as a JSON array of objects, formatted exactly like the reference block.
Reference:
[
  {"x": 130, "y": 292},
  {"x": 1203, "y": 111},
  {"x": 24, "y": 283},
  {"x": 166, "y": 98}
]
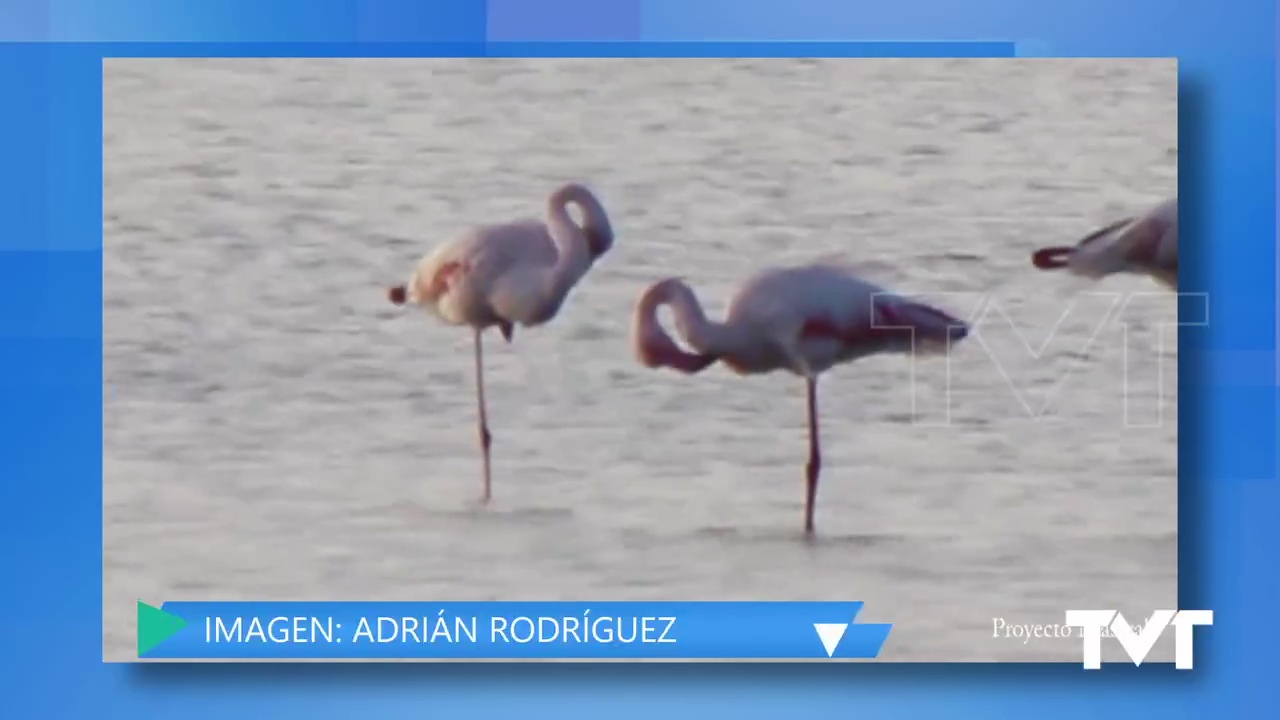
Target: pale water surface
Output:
[{"x": 274, "y": 429}]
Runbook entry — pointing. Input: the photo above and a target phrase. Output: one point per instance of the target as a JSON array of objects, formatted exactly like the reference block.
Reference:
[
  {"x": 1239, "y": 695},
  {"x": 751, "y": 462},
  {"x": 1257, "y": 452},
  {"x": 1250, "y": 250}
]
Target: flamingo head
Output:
[
  {"x": 1052, "y": 258},
  {"x": 653, "y": 347},
  {"x": 659, "y": 350},
  {"x": 599, "y": 242},
  {"x": 398, "y": 295}
]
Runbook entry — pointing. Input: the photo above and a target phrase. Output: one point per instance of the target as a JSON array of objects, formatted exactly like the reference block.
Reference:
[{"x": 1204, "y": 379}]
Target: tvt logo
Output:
[{"x": 1138, "y": 641}]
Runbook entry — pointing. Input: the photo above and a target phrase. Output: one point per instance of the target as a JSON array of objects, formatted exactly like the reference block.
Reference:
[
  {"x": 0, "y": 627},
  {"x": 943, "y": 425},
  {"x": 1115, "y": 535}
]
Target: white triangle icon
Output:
[{"x": 830, "y": 634}]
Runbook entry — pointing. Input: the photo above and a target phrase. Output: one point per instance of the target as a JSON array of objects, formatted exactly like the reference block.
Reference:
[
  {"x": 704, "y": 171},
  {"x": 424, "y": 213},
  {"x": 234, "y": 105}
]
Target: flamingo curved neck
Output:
[
  {"x": 595, "y": 221},
  {"x": 574, "y": 251},
  {"x": 705, "y": 336}
]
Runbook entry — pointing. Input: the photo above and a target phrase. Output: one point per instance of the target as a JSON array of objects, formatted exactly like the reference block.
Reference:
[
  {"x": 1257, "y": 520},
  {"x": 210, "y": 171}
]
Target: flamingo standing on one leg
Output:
[
  {"x": 803, "y": 319},
  {"x": 517, "y": 272},
  {"x": 1147, "y": 244}
]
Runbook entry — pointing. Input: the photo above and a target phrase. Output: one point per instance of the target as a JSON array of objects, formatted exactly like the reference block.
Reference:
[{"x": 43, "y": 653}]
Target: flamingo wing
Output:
[
  {"x": 1148, "y": 242},
  {"x": 489, "y": 251},
  {"x": 1052, "y": 258},
  {"x": 1151, "y": 237},
  {"x": 882, "y": 327},
  {"x": 494, "y": 270}
]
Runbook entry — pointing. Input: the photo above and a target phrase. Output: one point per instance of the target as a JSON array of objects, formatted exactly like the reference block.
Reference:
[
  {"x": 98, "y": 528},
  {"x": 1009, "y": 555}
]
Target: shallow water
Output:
[{"x": 274, "y": 429}]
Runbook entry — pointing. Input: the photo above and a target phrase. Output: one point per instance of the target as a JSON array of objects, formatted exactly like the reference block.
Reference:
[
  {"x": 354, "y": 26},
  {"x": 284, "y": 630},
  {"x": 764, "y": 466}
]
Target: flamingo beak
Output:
[
  {"x": 1051, "y": 258},
  {"x": 398, "y": 295},
  {"x": 597, "y": 244}
]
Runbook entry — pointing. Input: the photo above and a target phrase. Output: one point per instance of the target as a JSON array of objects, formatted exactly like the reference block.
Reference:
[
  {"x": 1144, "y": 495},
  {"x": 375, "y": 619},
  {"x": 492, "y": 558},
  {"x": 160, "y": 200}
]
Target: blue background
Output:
[
  {"x": 601, "y": 630},
  {"x": 51, "y": 330}
]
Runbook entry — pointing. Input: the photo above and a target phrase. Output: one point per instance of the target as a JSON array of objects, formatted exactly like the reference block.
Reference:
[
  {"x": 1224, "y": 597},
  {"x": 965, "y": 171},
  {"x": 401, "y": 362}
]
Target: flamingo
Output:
[
  {"x": 505, "y": 274},
  {"x": 804, "y": 319},
  {"x": 1146, "y": 244}
]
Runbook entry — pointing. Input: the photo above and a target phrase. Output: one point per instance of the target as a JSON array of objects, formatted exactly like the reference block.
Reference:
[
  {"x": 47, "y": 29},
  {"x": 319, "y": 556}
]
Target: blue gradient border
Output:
[{"x": 51, "y": 331}]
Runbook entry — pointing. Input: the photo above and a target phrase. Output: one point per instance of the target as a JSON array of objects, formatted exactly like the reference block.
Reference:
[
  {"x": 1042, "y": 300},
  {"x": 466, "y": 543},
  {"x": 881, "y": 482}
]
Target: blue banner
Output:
[{"x": 506, "y": 630}]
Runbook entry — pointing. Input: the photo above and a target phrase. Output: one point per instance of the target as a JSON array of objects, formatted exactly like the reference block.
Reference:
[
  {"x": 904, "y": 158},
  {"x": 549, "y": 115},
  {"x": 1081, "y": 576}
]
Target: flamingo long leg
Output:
[
  {"x": 814, "y": 465},
  {"x": 486, "y": 439}
]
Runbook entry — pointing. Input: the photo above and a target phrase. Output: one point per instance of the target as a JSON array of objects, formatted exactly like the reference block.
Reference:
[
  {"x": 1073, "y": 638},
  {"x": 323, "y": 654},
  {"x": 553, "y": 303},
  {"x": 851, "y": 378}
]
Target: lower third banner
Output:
[{"x": 506, "y": 630}]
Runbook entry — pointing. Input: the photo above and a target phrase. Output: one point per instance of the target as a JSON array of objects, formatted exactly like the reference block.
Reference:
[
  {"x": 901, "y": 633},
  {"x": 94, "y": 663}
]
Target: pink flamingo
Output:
[
  {"x": 504, "y": 274},
  {"x": 804, "y": 319},
  {"x": 1147, "y": 244}
]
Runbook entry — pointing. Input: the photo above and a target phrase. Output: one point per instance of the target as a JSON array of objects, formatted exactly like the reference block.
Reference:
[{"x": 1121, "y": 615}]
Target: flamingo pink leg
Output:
[
  {"x": 486, "y": 439},
  {"x": 814, "y": 465}
]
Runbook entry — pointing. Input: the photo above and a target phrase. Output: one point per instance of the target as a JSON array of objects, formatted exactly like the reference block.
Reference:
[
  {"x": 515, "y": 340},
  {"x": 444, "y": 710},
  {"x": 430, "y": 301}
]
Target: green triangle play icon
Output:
[{"x": 155, "y": 626}]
